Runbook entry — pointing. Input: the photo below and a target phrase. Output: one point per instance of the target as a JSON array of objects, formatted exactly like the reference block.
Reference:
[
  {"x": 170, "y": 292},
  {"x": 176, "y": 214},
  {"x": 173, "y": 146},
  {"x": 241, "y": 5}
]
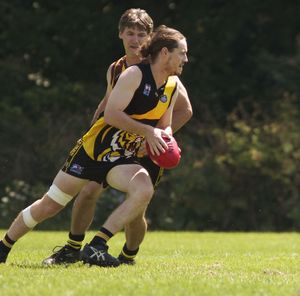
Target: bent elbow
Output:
[
  {"x": 107, "y": 117},
  {"x": 111, "y": 117},
  {"x": 189, "y": 113}
]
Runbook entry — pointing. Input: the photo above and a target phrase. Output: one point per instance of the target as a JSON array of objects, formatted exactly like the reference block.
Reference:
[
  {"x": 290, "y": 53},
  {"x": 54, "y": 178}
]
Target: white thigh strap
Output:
[
  {"x": 59, "y": 196},
  {"x": 27, "y": 218}
]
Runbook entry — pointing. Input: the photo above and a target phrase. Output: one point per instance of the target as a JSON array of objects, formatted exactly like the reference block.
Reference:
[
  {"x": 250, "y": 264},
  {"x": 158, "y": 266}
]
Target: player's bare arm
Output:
[
  {"x": 119, "y": 99},
  {"x": 165, "y": 122},
  {"x": 182, "y": 111},
  {"x": 103, "y": 102}
]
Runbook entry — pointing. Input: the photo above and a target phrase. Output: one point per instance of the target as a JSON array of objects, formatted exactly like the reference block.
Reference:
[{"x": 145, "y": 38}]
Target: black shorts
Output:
[
  {"x": 154, "y": 170},
  {"x": 80, "y": 165}
]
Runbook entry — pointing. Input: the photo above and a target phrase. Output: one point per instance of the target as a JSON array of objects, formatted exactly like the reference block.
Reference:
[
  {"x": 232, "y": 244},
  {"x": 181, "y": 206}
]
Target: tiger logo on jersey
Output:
[{"x": 107, "y": 143}]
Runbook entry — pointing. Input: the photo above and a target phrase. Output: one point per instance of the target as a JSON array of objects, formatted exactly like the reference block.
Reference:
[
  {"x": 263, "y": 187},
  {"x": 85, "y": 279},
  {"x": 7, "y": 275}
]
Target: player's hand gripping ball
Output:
[{"x": 170, "y": 158}]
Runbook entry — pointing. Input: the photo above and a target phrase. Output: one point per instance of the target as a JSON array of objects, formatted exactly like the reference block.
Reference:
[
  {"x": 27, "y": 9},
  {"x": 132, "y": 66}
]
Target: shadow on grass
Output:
[{"x": 30, "y": 265}]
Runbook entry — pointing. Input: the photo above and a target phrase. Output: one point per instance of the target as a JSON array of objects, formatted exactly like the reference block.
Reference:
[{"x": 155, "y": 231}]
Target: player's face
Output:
[
  {"x": 133, "y": 38},
  {"x": 178, "y": 57}
]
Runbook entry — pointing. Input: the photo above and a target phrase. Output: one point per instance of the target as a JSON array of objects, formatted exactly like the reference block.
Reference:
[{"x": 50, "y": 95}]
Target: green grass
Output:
[{"x": 169, "y": 263}]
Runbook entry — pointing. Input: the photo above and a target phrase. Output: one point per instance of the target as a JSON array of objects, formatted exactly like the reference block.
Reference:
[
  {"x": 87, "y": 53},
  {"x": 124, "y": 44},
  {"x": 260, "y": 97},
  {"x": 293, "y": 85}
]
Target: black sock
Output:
[
  {"x": 75, "y": 241},
  {"x": 128, "y": 254},
  {"x": 101, "y": 237},
  {"x": 6, "y": 244}
]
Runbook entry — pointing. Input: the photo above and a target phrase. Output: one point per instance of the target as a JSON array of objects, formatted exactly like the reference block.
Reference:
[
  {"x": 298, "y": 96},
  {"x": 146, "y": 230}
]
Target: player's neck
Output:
[
  {"x": 160, "y": 75},
  {"x": 132, "y": 59}
]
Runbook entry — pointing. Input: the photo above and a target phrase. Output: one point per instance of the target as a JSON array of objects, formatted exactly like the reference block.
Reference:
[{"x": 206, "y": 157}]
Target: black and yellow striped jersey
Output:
[
  {"x": 115, "y": 71},
  {"x": 104, "y": 142}
]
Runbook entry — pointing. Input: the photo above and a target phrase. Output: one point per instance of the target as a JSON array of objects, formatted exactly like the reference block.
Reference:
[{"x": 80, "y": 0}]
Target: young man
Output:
[
  {"x": 149, "y": 92},
  {"x": 135, "y": 26},
  {"x": 139, "y": 108}
]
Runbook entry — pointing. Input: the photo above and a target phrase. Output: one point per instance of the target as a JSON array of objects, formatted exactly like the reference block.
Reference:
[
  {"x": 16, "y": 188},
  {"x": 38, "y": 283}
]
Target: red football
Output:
[{"x": 170, "y": 158}]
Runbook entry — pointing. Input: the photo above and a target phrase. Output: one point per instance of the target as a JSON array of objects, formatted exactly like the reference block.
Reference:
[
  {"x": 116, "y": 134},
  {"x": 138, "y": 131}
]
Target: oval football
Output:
[{"x": 170, "y": 158}]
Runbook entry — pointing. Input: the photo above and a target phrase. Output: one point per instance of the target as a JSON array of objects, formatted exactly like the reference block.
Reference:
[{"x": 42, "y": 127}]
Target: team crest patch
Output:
[
  {"x": 163, "y": 98},
  {"x": 76, "y": 168},
  {"x": 147, "y": 89}
]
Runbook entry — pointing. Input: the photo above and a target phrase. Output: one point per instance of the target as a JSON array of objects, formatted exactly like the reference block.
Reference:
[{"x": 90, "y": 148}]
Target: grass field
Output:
[{"x": 169, "y": 263}]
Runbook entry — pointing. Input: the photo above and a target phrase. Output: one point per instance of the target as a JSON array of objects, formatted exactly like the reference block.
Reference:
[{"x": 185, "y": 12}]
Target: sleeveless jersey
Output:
[
  {"x": 104, "y": 142},
  {"x": 116, "y": 69}
]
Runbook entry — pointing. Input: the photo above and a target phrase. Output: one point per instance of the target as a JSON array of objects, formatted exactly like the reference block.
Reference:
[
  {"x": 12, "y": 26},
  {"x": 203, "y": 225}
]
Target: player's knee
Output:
[
  {"x": 143, "y": 190},
  {"x": 39, "y": 211},
  {"x": 147, "y": 193},
  {"x": 45, "y": 208},
  {"x": 90, "y": 193},
  {"x": 52, "y": 203},
  {"x": 51, "y": 208}
]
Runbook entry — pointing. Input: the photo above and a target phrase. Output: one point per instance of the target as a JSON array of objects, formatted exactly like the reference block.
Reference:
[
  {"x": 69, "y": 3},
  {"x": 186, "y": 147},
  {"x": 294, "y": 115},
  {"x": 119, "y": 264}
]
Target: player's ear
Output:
[{"x": 164, "y": 51}]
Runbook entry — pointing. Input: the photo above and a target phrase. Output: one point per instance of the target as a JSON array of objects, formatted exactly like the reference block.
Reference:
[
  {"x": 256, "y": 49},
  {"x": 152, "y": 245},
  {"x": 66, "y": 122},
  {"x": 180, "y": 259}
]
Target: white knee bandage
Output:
[
  {"x": 27, "y": 218},
  {"x": 58, "y": 196}
]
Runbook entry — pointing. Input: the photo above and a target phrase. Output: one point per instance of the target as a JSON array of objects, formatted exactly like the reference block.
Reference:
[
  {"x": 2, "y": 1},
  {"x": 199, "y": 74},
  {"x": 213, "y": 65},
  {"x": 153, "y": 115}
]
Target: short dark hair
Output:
[{"x": 136, "y": 17}]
